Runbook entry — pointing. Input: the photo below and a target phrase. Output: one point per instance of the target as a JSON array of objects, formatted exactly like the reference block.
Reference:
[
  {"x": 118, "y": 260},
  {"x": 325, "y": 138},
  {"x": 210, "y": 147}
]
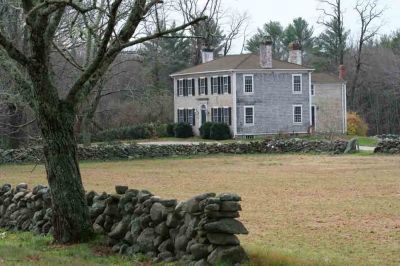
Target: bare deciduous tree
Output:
[{"x": 55, "y": 111}]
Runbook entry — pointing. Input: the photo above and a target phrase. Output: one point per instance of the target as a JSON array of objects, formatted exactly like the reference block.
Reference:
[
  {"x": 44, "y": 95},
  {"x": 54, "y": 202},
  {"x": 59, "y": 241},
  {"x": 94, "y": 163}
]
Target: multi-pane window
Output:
[
  {"x": 214, "y": 85},
  {"x": 312, "y": 90},
  {"x": 186, "y": 116},
  {"x": 221, "y": 115},
  {"x": 180, "y": 87},
  {"x": 249, "y": 115},
  {"x": 181, "y": 115},
  {"x": 296, "y": 83},
  {"x": 190, "y": 88},
  {"x": 297, "y": 114},
  {"x": 202, "y": 86},
  {"x": 225, "y": 84},
  {"x": 226, "y": 116},
  {"x": 248, "y": 84}
]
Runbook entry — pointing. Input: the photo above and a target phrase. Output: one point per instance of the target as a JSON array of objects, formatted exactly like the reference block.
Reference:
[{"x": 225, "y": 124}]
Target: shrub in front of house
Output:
[
  {"x": 356, "y": 126},
  {"x": 141, "y": 131},
  {"x": 205, "y": 130},
  {"x": 171, "y": 130},
  {"x": 220, "y": 131},
  {"x": 183, "y": 130}
]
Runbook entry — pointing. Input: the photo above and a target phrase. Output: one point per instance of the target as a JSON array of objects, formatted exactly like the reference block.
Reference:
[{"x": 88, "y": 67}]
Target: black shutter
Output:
[
  {"x": 184, "y": 87},
  {"x": 177, "y": 87},
  {"x": 229, "y": 85},
  {"x": 194, "y": 117},
  {"x": 177, "y": 117},
  {"x": 184, "y": 115},
  {"x": 220, "y": 115},
  {"x": 219, "y": 85},
  {"x": 193, "y": 88},
  {"x": 230, "y": 115},
  {"x": 212, "y": 87},
  {"x": 206, "y": 81}
]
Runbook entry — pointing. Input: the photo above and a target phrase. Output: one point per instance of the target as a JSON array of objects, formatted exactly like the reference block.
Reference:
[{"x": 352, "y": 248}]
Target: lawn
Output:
[{"x": 301, "y": 208}]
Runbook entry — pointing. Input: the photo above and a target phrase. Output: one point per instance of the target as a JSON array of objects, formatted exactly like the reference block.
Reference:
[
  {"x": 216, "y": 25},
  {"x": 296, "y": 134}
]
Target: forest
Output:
[{"x": 136, "y": 88}]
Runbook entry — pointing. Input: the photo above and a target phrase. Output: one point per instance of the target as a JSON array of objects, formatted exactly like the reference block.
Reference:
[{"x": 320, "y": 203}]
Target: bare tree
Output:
[
  {"x": 55, "y": 112},
  {"x": 368, "y": 12}
]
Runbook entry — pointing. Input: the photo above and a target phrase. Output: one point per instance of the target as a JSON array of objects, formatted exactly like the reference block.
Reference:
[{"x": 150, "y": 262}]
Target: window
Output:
[
  {"x": 226, "y": 84},
  {"x": 187, "y": 116},
  {"x": 190, "y": 113},
  {"x": 249, "y": 115},
  {"x": 214, "y": 85},
  {"x": 180, "y": 87},
  {"x": 312, "y": 90},
  {"x": 181, "y": 115},
  {"x": 190, "y": 89},
  {"x": 202, "y": 86},
  {"x": 296, "y": 80},
  {"x": 297, "y": 114},
  {"x": 248, "y": 84},
  {"x": 221, "y": 115},
  {"x": 226, "y": 116}
]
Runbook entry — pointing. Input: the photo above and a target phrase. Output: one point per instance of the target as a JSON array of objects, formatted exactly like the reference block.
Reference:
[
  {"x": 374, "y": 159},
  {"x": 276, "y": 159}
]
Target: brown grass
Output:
[{"x": 336, "y": 210}]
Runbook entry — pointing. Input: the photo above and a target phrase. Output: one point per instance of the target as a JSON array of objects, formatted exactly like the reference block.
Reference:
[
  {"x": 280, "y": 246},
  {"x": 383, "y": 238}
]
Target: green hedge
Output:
[
  {"x": 142, "y": 131},
  {"x": 220, "y": 131},
  {"x": 183, "y": 130},
  {"x": 205, "y": 130}
]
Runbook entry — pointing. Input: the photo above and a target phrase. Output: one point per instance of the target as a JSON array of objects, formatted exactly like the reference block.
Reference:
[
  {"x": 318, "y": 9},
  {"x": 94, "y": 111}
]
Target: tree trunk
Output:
[{"x": 71, "y": 219}]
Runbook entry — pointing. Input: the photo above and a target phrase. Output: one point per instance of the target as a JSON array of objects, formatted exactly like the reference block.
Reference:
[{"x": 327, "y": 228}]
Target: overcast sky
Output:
[{"x": 261, "y": 11}]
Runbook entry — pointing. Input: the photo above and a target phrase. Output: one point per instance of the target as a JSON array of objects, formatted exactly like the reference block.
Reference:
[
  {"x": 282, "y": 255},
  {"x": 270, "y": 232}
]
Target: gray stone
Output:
[
  {"x": 120, "y": 230},
  {"x": 219, "y": 215},
  {"x": 227, "y": 254},
  {"x": 98, "y": 229},
  {"x": 21, "y": 187},
  {"x": 181, "y": 242},
  {"x": 167, "y": 245},
  {"x": 162, "y": 229},
  {"x": 146, "y": 240},
  {"x": 352, "y": 146},
  {"x": 228, "y": 226},
  {"x": 229, "y": 197},
  {"x": 121, "y": 189},
  {"x": 230, "y": 206},
  {"x": 165, "y": 255},
  {"x": 172, "y": 220},
  {"x": 158, "y": 212},
  {"x": 223, "y": 239},
  {"x": 199, "y": 251},
  {"x": 212, "y": 207}
]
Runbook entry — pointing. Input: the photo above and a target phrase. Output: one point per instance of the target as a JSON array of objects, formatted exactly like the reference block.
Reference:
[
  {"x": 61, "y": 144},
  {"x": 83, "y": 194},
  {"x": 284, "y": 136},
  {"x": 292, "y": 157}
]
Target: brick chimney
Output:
[
  {"x": 266, "y": 54},
  {"x": 342, "y": 72},
  {"x": 295, "y": 53},
  {"x": 207, "y": 55}
]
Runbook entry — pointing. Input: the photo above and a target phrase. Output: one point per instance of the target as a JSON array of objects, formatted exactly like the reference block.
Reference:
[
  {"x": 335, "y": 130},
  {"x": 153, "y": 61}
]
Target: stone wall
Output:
[
  {"x": 135, "y": 151},
  {"x": 200, "y": 231},
  {"x": 388, "y": 146}
]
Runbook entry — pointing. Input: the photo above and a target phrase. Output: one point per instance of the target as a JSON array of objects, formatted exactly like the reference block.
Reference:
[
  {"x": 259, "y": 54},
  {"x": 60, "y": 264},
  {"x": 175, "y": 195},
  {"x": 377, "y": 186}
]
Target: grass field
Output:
[{"x": 333, "y": 210}]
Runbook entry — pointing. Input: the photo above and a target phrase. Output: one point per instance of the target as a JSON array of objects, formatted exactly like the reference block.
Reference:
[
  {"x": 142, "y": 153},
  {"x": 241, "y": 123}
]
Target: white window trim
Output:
[
  {"x": 212, "y": 85},
  {"x": 227, "y": 84},
  {"x": 190, "y": 81},
  {"x": 179, "y": 86},
  {"x": 301, "y": 83},
  {"x": 293, "y": 114},
  {"x": 205, "y": 85},
  {"x": 244, "y": 84},
  {"x": 244, "y": 114}
]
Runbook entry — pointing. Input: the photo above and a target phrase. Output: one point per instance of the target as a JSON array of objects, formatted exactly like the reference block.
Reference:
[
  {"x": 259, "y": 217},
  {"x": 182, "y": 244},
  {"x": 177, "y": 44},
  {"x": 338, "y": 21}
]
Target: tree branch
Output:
[{"x": 12, "y": 51}]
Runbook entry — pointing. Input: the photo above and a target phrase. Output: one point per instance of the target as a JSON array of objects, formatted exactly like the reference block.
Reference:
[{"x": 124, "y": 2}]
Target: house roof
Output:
[
  {"x": 325, "y": 78},
  {"x": 238, "y": 62}
]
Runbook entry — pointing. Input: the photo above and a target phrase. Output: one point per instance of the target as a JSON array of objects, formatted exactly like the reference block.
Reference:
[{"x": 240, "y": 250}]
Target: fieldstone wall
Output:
[
  {"x": 200, "y": 231},
  {"x": 388, "y": 146},
  {"x": 135, "y": 151}
]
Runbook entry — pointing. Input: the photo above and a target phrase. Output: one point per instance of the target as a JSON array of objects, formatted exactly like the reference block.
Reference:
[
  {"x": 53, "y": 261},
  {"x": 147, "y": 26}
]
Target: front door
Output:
[{"x": 203, "y": 114}]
